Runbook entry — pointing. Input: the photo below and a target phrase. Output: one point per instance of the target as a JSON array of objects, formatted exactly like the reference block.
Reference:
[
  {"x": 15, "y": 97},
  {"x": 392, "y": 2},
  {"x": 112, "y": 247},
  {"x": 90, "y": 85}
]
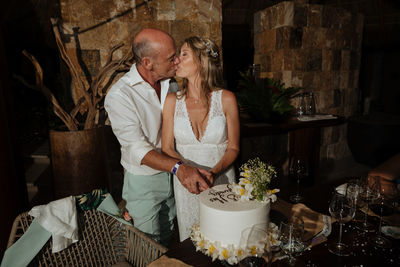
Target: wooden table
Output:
[
  {"x": 317, "y": 199},
  {"x": 303, "y": 138},
  {"x": 251, "y": 128}
]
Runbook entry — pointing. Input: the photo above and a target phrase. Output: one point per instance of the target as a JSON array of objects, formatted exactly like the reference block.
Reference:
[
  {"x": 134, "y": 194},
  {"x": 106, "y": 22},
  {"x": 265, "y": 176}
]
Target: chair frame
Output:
[{"x": 103, "y": 241}]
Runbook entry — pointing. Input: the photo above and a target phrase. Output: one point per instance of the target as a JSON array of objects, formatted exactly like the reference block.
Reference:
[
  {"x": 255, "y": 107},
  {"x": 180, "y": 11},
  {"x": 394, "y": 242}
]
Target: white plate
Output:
[{"x": 391, "y": 231}]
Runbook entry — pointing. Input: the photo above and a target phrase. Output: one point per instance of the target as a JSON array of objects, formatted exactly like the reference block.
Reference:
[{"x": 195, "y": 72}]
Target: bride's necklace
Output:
[{"x": 194, "y": 100}]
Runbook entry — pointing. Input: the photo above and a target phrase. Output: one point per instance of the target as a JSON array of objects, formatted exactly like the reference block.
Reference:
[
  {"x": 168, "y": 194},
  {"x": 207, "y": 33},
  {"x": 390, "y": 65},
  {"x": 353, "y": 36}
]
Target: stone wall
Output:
[
  {"x": 316, "y": 47},
  {"x": 99, "y": 25}
]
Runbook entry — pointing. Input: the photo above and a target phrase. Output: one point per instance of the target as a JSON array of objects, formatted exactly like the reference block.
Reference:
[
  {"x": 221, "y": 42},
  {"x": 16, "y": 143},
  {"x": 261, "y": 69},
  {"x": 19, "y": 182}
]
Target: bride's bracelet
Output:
[{"x": 176, "y": 167}]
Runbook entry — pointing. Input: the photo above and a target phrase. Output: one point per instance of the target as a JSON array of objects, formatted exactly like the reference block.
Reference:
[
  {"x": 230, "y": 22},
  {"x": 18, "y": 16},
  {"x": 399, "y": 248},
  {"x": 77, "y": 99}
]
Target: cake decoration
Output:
[
  {"x": 255, "y": 179},
  {"x": 227, "y": 210},
  {"x": 230, "y": 253},
  {"x": 223, "y": 195}
]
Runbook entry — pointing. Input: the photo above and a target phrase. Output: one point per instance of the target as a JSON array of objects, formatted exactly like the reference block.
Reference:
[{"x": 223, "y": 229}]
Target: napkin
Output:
[
  {"x": 109, "y": 207},
  {"x": 59, "y": 217},
  {"x": 26, "y": 247},
  {"x": 165, "y": 261},
  {"x": 315, "y": 224},
  {"x": 316, "y": 117}
]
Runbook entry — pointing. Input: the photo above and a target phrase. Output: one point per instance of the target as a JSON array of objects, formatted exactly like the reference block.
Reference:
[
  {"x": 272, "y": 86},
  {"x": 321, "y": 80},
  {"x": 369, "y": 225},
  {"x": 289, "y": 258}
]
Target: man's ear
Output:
[{"x": 147, "y": 63}]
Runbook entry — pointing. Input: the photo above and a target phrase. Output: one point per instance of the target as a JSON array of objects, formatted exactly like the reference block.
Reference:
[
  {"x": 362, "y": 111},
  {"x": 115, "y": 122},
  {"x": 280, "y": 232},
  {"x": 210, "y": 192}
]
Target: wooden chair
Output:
[{"x": 103, "y": 241}]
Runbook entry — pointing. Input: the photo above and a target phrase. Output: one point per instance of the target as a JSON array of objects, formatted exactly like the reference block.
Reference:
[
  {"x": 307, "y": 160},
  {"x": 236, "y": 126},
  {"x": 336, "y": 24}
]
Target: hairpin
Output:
[{"x": 209, "y": 49}]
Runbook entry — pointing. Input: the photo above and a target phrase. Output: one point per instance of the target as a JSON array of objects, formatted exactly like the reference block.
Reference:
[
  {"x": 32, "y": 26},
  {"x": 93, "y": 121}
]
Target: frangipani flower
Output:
[
  {"x": 244, "y": 181},
  {"x": 213, "y": 250},
  {"x": 229, "y": 253},
  {"x": 254, "y": 181},
  {"x": 226, "y": 252}
]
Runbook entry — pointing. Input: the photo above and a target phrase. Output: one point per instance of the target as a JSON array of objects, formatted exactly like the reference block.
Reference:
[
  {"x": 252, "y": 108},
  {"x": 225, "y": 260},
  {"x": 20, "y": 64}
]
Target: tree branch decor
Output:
[{"x": 92, "y": 95}]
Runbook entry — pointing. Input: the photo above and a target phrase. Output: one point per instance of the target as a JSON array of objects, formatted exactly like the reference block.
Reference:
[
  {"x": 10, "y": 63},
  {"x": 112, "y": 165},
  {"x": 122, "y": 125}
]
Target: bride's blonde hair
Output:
[{"x": 208, "y": 59}]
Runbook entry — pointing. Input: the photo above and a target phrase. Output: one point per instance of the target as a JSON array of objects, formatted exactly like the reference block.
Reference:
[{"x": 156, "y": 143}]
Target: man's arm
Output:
[
  {"x": 127, "y": 129},
  {"x": 388, "y": 170},
  {"x": 189, "y": 176}
]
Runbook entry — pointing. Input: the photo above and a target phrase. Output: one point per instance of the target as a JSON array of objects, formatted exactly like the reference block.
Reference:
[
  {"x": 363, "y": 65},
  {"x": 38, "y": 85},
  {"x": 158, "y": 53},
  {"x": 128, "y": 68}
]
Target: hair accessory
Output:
[{"x": 209, "y": 49}]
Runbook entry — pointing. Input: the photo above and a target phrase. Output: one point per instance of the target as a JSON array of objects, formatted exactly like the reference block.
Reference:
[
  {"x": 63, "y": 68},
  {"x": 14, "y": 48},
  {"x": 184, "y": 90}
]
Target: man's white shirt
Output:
[{"x": 135, "y": 113}]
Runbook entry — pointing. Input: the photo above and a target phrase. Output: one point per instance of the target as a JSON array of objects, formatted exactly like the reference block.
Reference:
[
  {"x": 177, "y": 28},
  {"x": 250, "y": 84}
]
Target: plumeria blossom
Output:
[
  {"x": 243, "y": 189},
  {"x": 229, "y": 253},
  {"x": 273, "y": 235},
  {"x": 270, "y": 195},
  {"x": 254, "y": 181}
]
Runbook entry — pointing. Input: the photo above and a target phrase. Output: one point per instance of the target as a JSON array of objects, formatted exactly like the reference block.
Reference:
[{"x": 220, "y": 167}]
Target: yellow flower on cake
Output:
[
  {"x": 253, "y": 250},
  {"x": 273, "y": 234},
  {"x": 271, "y": 195},
  {"x": 240, "y": 253},
  {"x": 254, "y": 181},
  {"x": 229, "y": 254},
  {"x": 225, "y": 253},
  {"x": 213, "y": 250}
]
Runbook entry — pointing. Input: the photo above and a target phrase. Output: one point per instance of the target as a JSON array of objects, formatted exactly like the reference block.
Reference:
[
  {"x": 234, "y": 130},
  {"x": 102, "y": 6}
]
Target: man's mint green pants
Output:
[{"x": 150, "y": 202}]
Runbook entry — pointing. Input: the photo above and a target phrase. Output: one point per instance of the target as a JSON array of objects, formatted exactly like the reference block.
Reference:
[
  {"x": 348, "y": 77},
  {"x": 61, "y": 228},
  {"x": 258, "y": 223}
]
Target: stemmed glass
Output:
[
  {"x": 298, "y": 169},
  {"x": 353, "y": 191},
  {"x": 291, "y": 238},
  {"x": 341, "y": 208},
  {"x": 383, "y": 205},
  {"x": 368, "y": 193},
  {"x": 255, "y": 241},
  {"x": 301, "y": 106},
  {"x": 310, "y": 104}
]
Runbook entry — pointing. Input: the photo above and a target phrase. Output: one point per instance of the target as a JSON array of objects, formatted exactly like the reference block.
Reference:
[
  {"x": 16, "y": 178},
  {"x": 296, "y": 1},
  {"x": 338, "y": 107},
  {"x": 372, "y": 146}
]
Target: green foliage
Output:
[
  {"x": 259, "y": 174},
  {"x": 265, "y": 99}
]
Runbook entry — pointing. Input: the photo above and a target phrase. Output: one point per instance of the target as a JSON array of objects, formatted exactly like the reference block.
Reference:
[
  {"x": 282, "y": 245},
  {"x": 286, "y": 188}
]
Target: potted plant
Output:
[
  {"x": 78, "y": 148},
  {"x": 265, "y": 99}
]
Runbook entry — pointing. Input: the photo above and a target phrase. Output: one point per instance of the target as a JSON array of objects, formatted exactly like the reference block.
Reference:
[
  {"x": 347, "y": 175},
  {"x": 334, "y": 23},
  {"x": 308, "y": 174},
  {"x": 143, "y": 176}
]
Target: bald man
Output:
[{"x": 134, "y": 105}]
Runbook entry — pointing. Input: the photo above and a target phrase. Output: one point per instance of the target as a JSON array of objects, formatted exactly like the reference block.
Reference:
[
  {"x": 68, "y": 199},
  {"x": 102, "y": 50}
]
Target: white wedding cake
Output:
[
  {"x": 223, "y": 216},
  {"x": 227, "y": 211}
]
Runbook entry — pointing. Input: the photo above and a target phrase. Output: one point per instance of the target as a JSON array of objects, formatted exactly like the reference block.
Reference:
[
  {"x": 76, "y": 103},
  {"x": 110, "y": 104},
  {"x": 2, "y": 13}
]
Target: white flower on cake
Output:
[
  {"x": 244, "y": 189},
  {"x": 254, "y": 181},
  {"x": 273, "y": 234},
  {"x": 230, "y": 253}
]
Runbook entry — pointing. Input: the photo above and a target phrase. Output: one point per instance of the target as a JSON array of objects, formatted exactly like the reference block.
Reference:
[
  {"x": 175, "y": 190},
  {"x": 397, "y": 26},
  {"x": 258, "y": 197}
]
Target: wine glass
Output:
[
  {"x": 291, "y": 238},
  {"x": 342, "y": 209},
  {"x": 383, "y": 205},
  {"x": 353, "y": 191},
  {"x": 298, "y": 169},
  {"x": 310, "y": 110},
  {"x": 254, "y": 239},
  {"x": 368, "y": 193},
  {"x": 301, "y": 106}
]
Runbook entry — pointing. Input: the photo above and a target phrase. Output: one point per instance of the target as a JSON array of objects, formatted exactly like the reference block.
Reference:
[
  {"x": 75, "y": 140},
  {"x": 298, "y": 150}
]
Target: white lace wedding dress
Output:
[{"x": 203, "y": 153}]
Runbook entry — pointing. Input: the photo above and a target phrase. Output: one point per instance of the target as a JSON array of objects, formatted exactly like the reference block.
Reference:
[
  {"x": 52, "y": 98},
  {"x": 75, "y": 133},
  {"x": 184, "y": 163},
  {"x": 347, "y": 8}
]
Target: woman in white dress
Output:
[{"x": 200, "y": 124}]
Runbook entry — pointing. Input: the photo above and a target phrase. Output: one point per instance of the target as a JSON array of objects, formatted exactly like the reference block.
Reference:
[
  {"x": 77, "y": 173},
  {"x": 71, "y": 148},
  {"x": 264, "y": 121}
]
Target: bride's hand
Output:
[{"x": 208, "y": 177}]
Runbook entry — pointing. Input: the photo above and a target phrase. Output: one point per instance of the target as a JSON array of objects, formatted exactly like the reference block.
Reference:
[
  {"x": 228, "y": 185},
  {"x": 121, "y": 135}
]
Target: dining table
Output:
[{"x": 317, "y": 197}]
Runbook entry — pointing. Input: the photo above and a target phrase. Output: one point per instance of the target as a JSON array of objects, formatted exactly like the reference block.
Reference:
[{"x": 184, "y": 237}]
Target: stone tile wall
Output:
[
  {"x": 101, "y": 25},
  {"x": 316, "y": 47}
]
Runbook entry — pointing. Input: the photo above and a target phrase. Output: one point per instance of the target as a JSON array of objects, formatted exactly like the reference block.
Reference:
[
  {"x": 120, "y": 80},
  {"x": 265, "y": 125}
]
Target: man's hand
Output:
[{"x": 192, "y": 179}]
